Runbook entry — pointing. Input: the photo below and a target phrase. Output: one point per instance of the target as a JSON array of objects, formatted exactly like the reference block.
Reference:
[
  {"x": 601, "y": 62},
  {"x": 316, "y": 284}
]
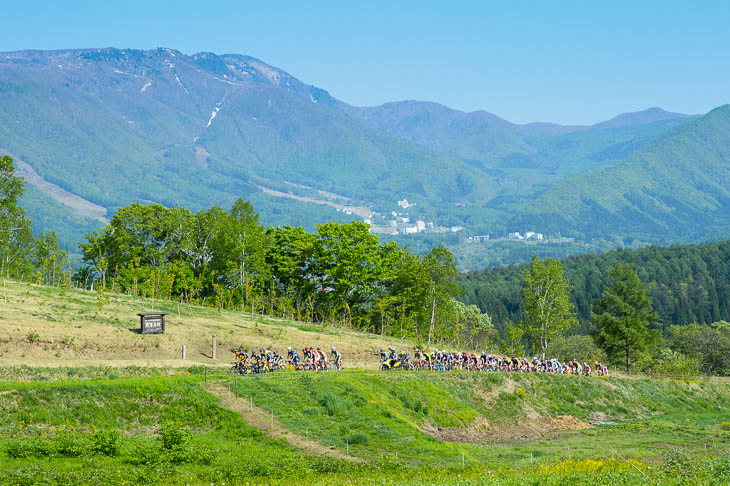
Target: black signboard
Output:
[{"x": 152, "y": 322}]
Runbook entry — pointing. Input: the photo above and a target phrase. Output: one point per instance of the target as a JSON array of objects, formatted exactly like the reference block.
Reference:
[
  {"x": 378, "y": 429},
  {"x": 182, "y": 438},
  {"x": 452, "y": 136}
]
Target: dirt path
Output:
[{"x": 261, "y": 419}]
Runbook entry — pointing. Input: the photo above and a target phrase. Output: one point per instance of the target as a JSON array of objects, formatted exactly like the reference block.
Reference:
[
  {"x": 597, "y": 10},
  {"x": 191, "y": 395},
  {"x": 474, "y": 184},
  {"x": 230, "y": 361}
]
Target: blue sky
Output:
[{"x": 561, "y": 61}]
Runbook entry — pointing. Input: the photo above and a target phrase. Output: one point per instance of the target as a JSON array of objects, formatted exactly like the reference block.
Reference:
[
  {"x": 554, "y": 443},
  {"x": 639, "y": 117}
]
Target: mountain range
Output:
[{"x": 95, "y": 129}]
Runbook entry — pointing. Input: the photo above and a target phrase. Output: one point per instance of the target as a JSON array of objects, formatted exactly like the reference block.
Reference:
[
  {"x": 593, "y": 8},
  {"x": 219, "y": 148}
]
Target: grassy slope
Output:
[
  {"x": 403, "y": 425},
  {"x": 53, "y": 426},
  {"x": 71, "y": 331}
]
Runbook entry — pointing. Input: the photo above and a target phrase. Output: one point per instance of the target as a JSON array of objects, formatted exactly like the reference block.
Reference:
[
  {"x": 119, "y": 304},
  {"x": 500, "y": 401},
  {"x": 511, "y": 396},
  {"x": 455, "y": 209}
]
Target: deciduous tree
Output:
[{"x": 548, "y": 309}]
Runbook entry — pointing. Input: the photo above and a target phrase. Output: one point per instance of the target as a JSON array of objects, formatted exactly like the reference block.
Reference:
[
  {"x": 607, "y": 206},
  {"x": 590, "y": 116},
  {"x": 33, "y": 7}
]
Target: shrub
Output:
[
  {"x": 32, "y": 336},
  {"x": 581, "y": 348},
  {"x": 358, "y": 438},
  {"x": 19, "y": 449},
  {"x": 331, "y": 403},
  {"x": 725, "y": 425},
  {"x": 106, "y": 443},
  {"x": 174, "y": 436},
  {"x": 69, "y": 444}
]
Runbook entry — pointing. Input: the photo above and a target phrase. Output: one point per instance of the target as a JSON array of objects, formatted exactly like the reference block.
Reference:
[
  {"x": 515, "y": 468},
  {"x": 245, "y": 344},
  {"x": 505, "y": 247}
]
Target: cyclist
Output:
[
  {"x": 336, "y": 358},
  {"x": 586, "y": 369},
  {"x": 429, "y": 361},
  {"x": 292, "y": 357},
  {"x": 322, "y": 359}
]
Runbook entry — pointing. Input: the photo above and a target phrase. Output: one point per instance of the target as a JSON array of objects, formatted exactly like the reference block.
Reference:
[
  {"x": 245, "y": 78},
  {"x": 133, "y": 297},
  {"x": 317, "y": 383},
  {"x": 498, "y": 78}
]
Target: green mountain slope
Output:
[
  {"x": 119, "y": 126},
  {"x": 676, "y": 188},
  {"x": 110, "y": 127},
  {"x": 487, "y": 141}
]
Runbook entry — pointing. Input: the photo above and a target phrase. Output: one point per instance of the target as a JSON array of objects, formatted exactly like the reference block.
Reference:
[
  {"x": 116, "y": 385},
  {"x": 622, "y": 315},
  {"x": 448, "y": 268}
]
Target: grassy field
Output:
[
  {"x": 45, "y": 326},
  {"x": 367, "y": 427},
  {"x": 85, "y": 400}
]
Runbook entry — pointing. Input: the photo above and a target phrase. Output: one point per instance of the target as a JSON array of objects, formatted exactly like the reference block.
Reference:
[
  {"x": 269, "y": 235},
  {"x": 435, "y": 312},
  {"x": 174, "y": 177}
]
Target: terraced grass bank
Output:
[
  {"x": 49, "y": 326},
  {"x": 362, "y": 427}
]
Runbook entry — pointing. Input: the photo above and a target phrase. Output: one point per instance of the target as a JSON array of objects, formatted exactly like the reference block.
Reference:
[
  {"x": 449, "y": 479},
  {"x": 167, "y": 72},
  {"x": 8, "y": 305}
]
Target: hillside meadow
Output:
[
  {"x": 49, "y": 326},
  {"x": 362, "y": 428},
  {"x": 85, "y": 399}
]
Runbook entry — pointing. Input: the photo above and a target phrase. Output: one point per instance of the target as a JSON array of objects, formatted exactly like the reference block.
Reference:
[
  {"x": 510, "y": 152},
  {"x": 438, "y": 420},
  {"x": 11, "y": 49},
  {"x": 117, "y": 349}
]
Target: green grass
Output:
[
  {"x": 169, "y": 430},
  {"x": 394, "y": 410},
  {"x": 50, "y": 427}
]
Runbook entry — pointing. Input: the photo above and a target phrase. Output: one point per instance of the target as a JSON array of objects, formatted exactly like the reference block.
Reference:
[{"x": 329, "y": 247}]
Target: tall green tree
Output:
[
  {"x": 548, "y": 309},
  {"x": 350, "y": 264},
  {"x": 50, "y": 261},
  {"x": 240, "y": 248},
  {"x": 441, "y": 272},
  {"x": 16, "y": 238},
  {"x": 623, "y": 316}
]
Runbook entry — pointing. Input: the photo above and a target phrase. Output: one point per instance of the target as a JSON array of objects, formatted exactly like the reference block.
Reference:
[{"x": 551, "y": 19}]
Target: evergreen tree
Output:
[
  {"x": 548, "y": 309},
  {"x": 623, "y": 316}
]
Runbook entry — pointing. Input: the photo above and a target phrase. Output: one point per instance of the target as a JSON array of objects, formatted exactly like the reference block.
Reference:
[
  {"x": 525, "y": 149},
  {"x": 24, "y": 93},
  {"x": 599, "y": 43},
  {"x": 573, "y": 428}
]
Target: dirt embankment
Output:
[{"x": 480, "y": 431}]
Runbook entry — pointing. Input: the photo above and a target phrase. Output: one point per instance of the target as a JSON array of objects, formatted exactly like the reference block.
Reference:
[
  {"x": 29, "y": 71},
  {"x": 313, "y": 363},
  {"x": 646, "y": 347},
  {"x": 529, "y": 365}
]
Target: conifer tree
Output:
[{"x": 623, "y": 316}]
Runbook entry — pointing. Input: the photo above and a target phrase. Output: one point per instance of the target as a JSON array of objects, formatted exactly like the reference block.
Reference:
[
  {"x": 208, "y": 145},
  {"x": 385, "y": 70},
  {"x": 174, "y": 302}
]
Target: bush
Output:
[
  {"x": 70, "y": 445},
  {"x": 331, "y": 403},
  {"x": 106, "y": 443},
  {"x": 64, "y": 444},
  {"x": 581, "y": 348},
  {"x": 174, "y": 436},
  {"x": 725, "y": 425},
  {"x": 358, "y": 438},
  {"x": 673, "y": 363}
]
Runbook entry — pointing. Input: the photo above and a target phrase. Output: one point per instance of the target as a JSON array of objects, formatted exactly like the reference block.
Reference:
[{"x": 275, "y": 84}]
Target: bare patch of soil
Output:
[{"x": 481, "y": 431}]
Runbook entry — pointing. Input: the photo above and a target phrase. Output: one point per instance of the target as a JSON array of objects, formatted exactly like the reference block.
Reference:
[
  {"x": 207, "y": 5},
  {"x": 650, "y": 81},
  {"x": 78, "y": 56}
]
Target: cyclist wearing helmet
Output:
[
  {"x": 292, "y": 356},
  {"x": 336, "y": 358},
  {"x": 322, "y": 358}
]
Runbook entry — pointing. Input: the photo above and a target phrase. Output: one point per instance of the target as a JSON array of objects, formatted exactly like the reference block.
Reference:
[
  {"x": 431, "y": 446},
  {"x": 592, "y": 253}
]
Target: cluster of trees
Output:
[
  {"x": 22, "y": 256},
  {"x": 685, "y": 283},
  {"x": 624, "y": 326},
  {"x": 340, "y": 274}
]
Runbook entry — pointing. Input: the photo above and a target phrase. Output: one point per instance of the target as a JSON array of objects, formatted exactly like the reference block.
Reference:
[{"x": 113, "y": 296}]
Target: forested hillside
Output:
[
  {"x": 118, "y": 126},
  {"x": 94, "y": 130},
  {"x": 687, "y": 283},
  {"x": 676, "y": 188}
]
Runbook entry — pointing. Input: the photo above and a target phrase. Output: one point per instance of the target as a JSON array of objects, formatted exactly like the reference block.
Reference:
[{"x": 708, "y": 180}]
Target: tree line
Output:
[
  {"x": 623, "y": 306},
  {"x": 624, "y": 327},
  {"x": 686, "y": 284},
  {"x": 341, "y": 274}
]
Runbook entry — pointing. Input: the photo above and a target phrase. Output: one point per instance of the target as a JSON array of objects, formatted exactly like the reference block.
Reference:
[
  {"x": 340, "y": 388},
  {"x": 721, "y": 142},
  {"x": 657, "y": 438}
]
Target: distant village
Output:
[{"x": 399, "y": 223}]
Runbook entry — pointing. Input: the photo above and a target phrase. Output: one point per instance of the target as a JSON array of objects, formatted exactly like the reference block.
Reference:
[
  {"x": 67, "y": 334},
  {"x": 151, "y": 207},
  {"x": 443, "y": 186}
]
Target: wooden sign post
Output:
[{"x": 152, "y": 322}]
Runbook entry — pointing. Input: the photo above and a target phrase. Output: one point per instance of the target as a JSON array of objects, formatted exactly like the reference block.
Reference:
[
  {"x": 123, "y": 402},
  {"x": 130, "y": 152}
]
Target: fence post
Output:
[
  {"x": 214, "y": 353},
  {"x": 184, "y": 351}
]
